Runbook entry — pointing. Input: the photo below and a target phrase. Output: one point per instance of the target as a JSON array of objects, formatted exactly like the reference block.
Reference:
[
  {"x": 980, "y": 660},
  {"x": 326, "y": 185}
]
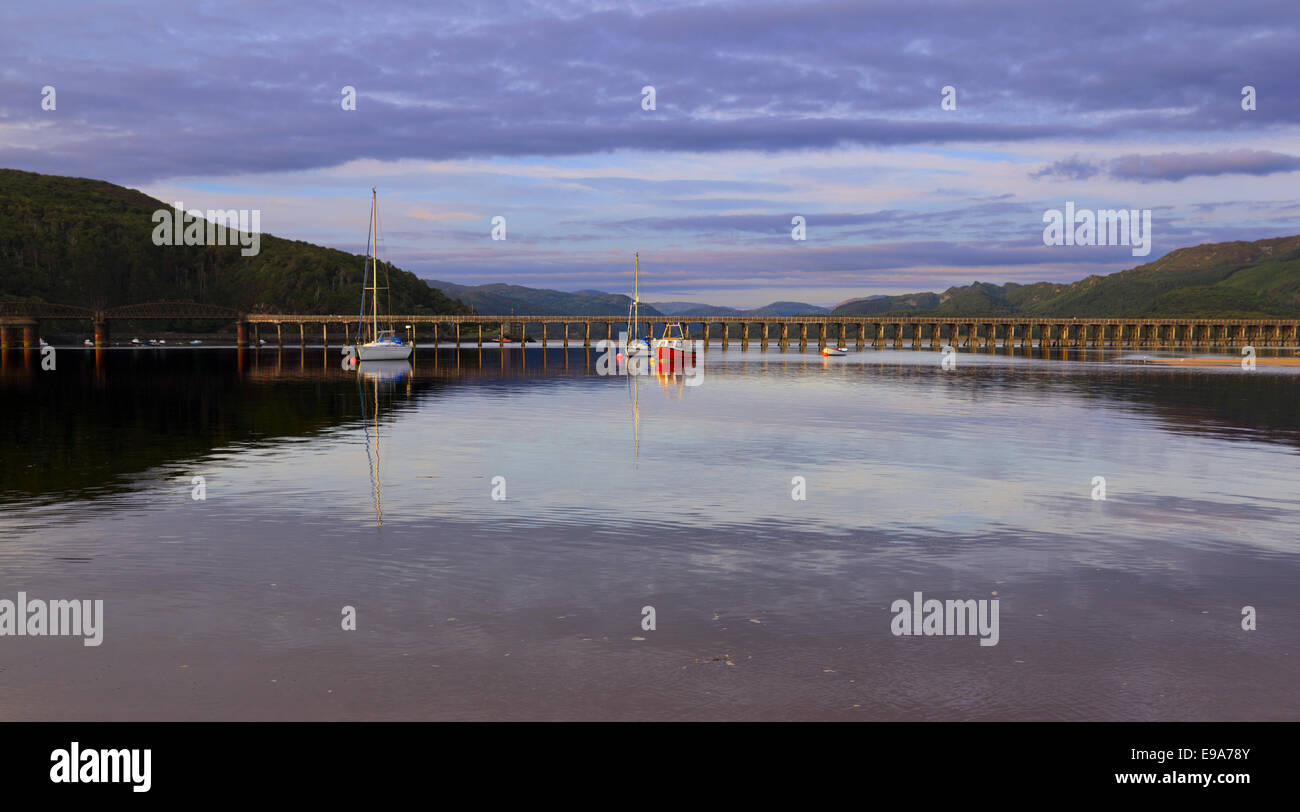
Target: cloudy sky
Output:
[{"x": 763, "y": 111}]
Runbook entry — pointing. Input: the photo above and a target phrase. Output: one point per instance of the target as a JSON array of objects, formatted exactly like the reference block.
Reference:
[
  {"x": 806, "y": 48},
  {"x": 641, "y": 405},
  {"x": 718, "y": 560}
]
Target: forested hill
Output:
[
  {"x": 90, "y": 243},
  {"x": 1231, "y": 279}
]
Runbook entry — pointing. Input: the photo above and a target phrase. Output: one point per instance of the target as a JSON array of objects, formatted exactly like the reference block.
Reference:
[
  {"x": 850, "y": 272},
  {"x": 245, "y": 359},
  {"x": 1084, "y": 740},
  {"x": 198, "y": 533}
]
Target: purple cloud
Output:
[{"x": 1174, "y": 166}]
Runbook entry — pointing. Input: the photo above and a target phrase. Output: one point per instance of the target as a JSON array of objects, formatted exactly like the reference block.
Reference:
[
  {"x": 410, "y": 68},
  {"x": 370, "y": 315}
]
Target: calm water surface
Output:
[{"x": 327, "y": 488}]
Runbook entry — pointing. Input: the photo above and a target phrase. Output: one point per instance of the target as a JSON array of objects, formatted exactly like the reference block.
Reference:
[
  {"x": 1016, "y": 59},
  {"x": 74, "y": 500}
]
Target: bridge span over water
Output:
[{"x": 20, "y": 326}]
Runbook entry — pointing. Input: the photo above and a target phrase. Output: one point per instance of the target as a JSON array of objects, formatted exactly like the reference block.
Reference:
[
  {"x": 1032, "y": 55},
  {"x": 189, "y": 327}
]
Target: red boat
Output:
[{"x": 673, "y": 348}]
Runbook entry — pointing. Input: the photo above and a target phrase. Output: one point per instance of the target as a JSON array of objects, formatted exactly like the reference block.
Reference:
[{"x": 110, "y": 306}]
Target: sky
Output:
[{"x": 765, "y": 111}]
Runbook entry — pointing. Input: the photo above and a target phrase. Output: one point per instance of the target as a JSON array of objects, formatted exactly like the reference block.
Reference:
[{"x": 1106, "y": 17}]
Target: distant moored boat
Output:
[{"x": 384, "y": 345}]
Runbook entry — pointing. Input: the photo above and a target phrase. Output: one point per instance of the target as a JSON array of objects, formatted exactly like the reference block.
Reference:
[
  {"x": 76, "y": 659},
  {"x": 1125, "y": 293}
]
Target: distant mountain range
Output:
[
  {"x": 1231, "y": 279},
  {"x": 501, "y": 300},
  {"x": 87, "y": 242},
  {"x": 774, "y": 309}
]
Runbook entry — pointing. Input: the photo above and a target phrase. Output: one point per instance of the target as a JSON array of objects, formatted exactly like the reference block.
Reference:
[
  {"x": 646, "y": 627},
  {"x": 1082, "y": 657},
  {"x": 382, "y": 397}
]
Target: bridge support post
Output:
[
  {"x": 586, "y": 336},
  {"x": 101, "y": 333},
  {"x": 765, "y": 326},
  {"x": 302, "y": 334},
  {"x": 785, "y": 335},
  {"x": 241, "y": 332},
  {"x": 803, "y": 335},
  {"x": 31, "y": 335},
  {"x": 821, "y": 335},
  {"x": 5, "y": 336},
  {"x": 279, "y": 336},
  {"x": 744, "y": 336}
]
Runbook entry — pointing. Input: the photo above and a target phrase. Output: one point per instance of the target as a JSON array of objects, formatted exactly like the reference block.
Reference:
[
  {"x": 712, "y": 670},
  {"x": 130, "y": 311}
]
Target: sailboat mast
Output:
[{"x": 374, "y": 277}]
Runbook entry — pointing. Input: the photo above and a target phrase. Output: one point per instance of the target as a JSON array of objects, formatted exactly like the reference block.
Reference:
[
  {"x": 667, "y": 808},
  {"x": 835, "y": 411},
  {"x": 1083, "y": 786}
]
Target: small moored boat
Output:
[
  {"x": 673, "y": 346},
  {"x": 384, "y": 345}
]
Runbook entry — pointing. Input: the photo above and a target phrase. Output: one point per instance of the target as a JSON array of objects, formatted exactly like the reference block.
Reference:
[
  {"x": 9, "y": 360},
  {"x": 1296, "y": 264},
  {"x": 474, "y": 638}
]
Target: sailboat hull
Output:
[{"x": 384, "y": 352}]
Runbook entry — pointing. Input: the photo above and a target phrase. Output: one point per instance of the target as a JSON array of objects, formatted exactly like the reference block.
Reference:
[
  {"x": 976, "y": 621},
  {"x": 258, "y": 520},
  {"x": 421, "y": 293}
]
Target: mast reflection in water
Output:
[{"x": 372, "y": 376}]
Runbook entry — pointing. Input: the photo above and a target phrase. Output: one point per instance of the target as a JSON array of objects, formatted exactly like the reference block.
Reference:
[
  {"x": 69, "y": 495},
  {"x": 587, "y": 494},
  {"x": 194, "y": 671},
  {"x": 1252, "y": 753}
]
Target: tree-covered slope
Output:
[
  {"x": 90, "y": 243},
  {"x": 1235, "y": 279}
]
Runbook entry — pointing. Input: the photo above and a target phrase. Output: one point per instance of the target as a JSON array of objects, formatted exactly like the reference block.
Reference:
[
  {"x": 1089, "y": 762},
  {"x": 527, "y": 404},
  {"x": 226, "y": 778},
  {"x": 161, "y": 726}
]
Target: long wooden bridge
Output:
[{"x": 20, "y": 323}]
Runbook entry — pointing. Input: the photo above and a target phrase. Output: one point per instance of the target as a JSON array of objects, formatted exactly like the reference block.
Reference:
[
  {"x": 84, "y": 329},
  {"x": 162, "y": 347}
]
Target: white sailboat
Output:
[{"x": 384, "y": 345}]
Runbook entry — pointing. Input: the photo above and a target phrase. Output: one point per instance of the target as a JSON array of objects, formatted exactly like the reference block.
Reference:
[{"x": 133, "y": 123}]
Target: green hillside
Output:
[
  {"x": 1235, "y": 279},
  {"x": 90, "y": 243},
  {"x": 503, "y": 300}
]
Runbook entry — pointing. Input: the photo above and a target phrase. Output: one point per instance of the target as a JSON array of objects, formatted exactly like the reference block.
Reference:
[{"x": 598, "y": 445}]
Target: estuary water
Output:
[{"x": 496, "y": 523}]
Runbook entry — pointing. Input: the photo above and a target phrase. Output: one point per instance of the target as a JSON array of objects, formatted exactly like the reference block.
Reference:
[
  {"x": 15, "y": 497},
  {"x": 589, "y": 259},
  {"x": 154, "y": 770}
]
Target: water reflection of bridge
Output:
[{"x": 23, "y": 319}]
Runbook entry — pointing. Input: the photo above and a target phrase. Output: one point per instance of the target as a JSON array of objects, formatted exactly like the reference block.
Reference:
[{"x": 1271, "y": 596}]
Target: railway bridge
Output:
[{"x": 20, "y": 326}]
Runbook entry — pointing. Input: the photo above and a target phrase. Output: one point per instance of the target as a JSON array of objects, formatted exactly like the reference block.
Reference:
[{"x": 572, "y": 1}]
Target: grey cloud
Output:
[
  {"x": 207, "y": 94},
  {"x": 1072, "y": 168},
  {"x": 1174, "y": 166}
]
